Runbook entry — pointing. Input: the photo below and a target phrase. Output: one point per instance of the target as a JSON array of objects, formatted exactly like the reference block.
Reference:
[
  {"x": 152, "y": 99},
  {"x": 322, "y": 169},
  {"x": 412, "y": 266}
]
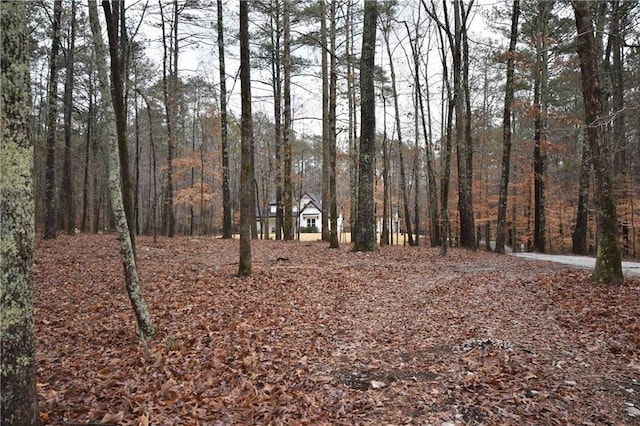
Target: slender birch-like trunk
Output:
[{"x": 126, "y": 249}]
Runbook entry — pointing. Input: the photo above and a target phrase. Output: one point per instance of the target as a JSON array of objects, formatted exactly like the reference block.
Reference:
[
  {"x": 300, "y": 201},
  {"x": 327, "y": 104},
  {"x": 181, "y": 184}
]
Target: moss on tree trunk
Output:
[
  {"x": 608, "y": 267},
  {"x": 18, "y": 396}
]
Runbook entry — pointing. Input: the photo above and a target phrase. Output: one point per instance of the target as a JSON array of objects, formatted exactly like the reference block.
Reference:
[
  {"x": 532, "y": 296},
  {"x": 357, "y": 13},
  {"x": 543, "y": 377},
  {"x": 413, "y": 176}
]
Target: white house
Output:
[{"x": 307, "y": 215}]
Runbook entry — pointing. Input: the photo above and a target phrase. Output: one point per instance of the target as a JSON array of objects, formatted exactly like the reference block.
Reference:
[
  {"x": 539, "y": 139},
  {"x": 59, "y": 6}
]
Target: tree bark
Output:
[
  {"x": 68, "y": 201},
  {"x": 608, "y": 267},
  {"x": 333, "y": 81},
  {"x": 540, "y": 122},
  {"x": 276, "y": 73},
  {"x": 579, "y": 236},
  {"x": 247, "y": 214},
  {"x": 366, "y": 222},
  {"x": 132, "y": 283},
  {"x": 403, "y": 177},
  {"x": 434, "y": 222},
  {"x": 226, "y": 190},
  {"x": 168, "y": 216},
  {"x": 87, "y": 150},
  {"x": 326, "y": 131},
  {"x": 113, "y": 17},
  {"x": 617, "y": 75},
  {"x": 18, "y": 394},
  {"x": 352, "y": 120},
  {"x": 287, "y": 131},
  {"x": 506, "y": 132},
  {"x": 50, "y": 225},
  {"x": 463, "y": 148}
]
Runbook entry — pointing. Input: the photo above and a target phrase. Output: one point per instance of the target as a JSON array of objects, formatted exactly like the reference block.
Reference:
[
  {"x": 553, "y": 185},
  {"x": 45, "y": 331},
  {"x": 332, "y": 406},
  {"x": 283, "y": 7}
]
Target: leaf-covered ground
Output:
[{"x": 320, "y": 336}]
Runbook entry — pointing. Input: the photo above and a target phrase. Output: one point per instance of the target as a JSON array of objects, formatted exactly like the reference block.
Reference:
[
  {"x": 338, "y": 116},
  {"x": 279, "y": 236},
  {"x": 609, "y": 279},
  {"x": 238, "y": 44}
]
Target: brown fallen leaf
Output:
[{"x": 113, "y": 418}]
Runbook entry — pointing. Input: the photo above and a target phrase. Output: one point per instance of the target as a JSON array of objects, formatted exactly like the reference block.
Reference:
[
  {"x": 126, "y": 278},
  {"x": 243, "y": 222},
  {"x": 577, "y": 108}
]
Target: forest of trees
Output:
[
  {"x": 442, "y": 132},
  {"x": 439, "y": 94},
  {"x": 513, "y": 122}
]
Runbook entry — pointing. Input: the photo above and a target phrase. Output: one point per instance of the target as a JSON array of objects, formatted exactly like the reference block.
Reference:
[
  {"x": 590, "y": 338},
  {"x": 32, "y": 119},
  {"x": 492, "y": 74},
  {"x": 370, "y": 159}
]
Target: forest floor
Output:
[{"x": 320, "y": 336}]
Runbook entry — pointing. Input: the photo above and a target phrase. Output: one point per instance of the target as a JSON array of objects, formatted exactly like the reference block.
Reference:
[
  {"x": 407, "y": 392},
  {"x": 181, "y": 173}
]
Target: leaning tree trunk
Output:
[
  {"x": 366, "y": 222},
  {"x": 134, "y": 290},
  {"x": 114, "y": 17},
  {"x": 506, "y": 132},
  {"x": 608, "y": 267},
  {"x": 18, "y": 395}
]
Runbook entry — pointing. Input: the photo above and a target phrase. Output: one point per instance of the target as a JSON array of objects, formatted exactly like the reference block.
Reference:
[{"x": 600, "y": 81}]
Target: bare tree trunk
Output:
[
  {"x": 87, "y": 151},
  {"x": 366, "y": 232},
  {"x": 276, "y": 73},
  {"x": 403, "y": 178},
  {"x": 353, "y": 141},
  {"x": 540, "y": 106},
  {"x": 247, "y": 215},
  {"x": 608, "y": 267},
  {"x": 434, "y": 225},
  {"x": 134, "y": 289},
  {"x": 333, "y": 81},
  {"x": 621, "y": 152},
  {"x": 18, "y": 394},
  {"x": 68, "y": 201},
  {"x": 463, "y": 148},
  {"x": 386, "y": 190},
  {"x": 579, "y": 236},
  {"x": 506, "y": 132},
  {"x": 326, "y": 131},
  {"x": 50, "y": 226},
  {"x": 168, "y": 216},
  {"x": 287, "y": 131},
  {"x": 226, "y": 191},
  {"x": 117, "y": 44}
]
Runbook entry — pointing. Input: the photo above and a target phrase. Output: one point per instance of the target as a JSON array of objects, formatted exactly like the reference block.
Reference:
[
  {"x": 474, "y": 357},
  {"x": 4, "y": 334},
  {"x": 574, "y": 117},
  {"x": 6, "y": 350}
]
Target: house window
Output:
[{"x": 311, "y": 222}]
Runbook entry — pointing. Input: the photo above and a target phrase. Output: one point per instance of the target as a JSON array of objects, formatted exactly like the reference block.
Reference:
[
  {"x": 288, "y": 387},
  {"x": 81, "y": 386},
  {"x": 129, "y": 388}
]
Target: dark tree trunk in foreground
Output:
[
  {"x": 608, "y": 267},
  {"x": 52, "y": 117},
  {"x": 506, "y": 132},
  {"x": 18, "y": 395},
  {"x": 366, "y": 222},
  {"x": 247, "y": 215},
  {"x": 540, "y": 123},
  {"x": 226, "y": 191},
  {"x": 132, "y": 283}
]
